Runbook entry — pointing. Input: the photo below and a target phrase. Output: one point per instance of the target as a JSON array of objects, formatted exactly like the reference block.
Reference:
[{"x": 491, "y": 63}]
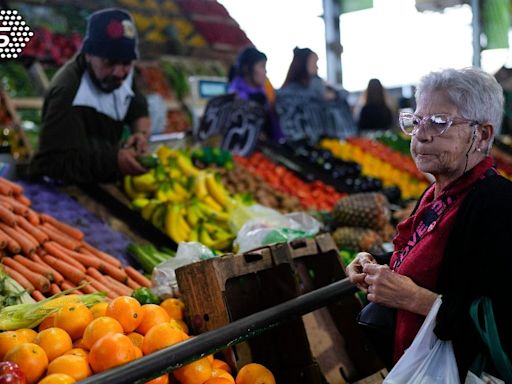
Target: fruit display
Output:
[
  {"x": 186, "y": 203},
  {"x": 358, "y": 239},
  {"x": 46, "y": 256},
  {"x": 399, "y": 142},
  {"x": 240, "y": 182},
  {"x": 377, "y": 160},
  {"x": 311, "y": 195}
]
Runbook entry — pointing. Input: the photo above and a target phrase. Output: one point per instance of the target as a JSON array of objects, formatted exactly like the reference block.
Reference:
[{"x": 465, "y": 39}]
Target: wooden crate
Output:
[
  {"x": 318, "y": 264},
  {"x": 223, "y": 289}
]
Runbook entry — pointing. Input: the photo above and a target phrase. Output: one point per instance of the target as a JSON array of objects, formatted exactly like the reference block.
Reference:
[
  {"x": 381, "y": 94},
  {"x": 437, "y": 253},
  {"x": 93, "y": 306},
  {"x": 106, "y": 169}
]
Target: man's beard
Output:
[{"x": 108, "y": 84}]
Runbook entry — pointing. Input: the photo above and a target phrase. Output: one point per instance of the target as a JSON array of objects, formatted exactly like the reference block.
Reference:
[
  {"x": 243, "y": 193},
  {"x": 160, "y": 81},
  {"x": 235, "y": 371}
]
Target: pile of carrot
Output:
[{"x": 47, "y": 256}]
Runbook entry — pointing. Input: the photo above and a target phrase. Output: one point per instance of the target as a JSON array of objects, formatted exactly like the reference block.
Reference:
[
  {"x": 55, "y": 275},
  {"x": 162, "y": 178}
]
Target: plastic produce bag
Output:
[
  {"x": 164, "y": 276},
  {"x": 428, "y": 360},
  {"x": 274, "y": 227}
]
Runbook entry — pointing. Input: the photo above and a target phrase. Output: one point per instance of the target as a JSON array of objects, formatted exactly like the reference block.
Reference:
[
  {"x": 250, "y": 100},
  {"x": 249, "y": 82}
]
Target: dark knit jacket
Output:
[
  {"x": 77, "y": 144},
  {"x": 477, "y": 262}
]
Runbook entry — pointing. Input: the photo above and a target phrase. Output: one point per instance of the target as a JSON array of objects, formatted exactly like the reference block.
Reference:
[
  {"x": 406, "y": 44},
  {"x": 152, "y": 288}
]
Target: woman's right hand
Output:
[{"x": 355, "y": 272}]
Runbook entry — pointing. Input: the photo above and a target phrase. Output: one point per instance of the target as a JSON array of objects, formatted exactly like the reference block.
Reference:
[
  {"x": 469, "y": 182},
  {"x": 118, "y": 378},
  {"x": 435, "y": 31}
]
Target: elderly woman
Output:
[{"x": 454, "y": 243}]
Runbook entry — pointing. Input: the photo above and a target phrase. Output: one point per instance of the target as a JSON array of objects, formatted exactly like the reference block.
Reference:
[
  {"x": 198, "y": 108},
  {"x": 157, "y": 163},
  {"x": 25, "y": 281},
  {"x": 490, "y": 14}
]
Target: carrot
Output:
[
  {"x": 7, "y": 216},
  {"x": 19, "y": 278},
  {"x": 5, "y": 189},
  {"x": 137, "y": 276},
  {"x": 39, "y": 282},
  {"x": 102, "y": 255},
  {"x": 4, "y": 240},
  {"x": 68, "y": 285},
  {"x": 35, "y": 267},
  {"x": 117, "y": 287},
  {"x": 63, "y": 227},
  {"x": 87, "y": 260},
  {"x": 12, "y": 245},
  {"x": 116, "y": 273},
  {"x": 96, "y": 275},
  {"x": 17, "y": 207},
  {"x": 132, "y": 284},
  {"x": 27, "y": 245},
  {"x": 6, "y": 203},
  {"x": 37, "y": 296},
  {"x": 57, "y": 277},
  {"x": 16, "y": 188},
  {"x": 33, "y": 217},
  {"x": 39, "y": 235},
  {"x": 41, "y": 251},
  {"x": 89, "y": 289},
  {"x": 98, "y": 285},
  {"x": 60, "y": 253},
  {"x": 23, "y": 200},
  {"x": 54, "y": 289},
  {"x": 68, "y": 271},
  {"x": 27, "y": 235},
  {"x": 59, "y": 237}
]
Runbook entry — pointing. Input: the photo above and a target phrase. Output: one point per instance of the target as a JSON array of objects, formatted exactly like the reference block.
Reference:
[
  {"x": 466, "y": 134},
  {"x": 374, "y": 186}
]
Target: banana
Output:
[
  {"x": 186, "y": 166},
  {"x": 149, "y": 208},
  {"x": 183, "y": 225},
  {"x": 145, "y": 183},
  {"x": 216, "y": 190},
  {"x": 211, "y": 213},
  {"x": 129, "y": 190},
  {"x": 210, "y": 201},
  {"x": 194, "y": 234},
  {"x": 200, "y": 185},
  {"x": 172, "y": 223},
  {"x": 179, "y": 190},
  {"x": 158, "y": 216},
  {"x": 193, "y": 215},
  {"x": 139, "y": 203},
  {"x": 204, "y": 237}
]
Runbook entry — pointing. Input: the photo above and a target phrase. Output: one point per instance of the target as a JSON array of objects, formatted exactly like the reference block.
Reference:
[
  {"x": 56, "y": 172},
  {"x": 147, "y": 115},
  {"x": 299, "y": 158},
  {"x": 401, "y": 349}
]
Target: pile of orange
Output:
[{"x": 79, "y": 341}]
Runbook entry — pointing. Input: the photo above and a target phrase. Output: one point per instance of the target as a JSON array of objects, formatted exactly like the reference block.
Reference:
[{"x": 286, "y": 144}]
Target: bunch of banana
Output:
[{"x": 186, "y": 203}]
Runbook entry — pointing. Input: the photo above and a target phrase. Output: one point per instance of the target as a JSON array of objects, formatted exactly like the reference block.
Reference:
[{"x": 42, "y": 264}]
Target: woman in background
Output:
[{"x": 375, "y": 114}]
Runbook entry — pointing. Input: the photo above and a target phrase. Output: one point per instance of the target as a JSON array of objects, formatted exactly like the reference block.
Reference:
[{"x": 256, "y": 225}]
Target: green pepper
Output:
[
  {"x": 145, "y": 296},
  {"x": 148, "y": 161}
]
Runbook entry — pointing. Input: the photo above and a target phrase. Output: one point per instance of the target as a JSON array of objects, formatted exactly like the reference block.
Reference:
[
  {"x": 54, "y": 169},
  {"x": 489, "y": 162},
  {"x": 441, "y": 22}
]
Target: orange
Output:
[
  {"x": 99, "y": 309},
  {"x": 72, "y": 365},
  {"x": 9, "y": 340},
  {"x": 31, "y": 358},
  {"x": 196, "y": 372},
  {"x": 27, "y": 333},
  {"x": 220, "y": 373},
  {"x": 174, "y": 308},
  {"x": 73, "y": 318},
  {"x": 127, "y": 311},
  {"x": 136, "y": 339},
  {"x": 220, "y": 364},
  {"x": 180, "y": 324},
  {"x": 78, "y": 343},
  {"x": 54, "y": 341},
  {"x": 98, "y": 328},
  {"x": 254, "y": 373},
  {"x": 152, "y": 315},
  {"x": 48, "y": 322},
  {"x": 164, "y": 379},
  {"x": 58, "y": 378},
  {"x": 138, "y": 352},
  {"x": 218, "y": 380},
  {"x": 77, "y": 352},
  {"x": 160, "y": 336},
  {"x": 111, "y": 350}
]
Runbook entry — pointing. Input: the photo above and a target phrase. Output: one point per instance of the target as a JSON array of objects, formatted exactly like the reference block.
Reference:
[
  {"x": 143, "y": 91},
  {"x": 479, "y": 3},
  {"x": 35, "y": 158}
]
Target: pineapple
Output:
[
  {"x": 366, "y": 210},
  {"x": 358, "y": 239}
]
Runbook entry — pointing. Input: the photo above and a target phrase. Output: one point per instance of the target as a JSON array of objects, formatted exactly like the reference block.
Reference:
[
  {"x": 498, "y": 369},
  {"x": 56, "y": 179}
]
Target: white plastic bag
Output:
[
  {"x": 163, "y": 277},
  {"x": 428, "y": 360}
]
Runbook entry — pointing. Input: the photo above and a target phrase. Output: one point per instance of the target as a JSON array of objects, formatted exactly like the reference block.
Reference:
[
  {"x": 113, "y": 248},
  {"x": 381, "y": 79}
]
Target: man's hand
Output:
[
  {"x": 139, "y": 143},
  {"x": 355, "y": 272},
  {"x": 127, "y": 162}
]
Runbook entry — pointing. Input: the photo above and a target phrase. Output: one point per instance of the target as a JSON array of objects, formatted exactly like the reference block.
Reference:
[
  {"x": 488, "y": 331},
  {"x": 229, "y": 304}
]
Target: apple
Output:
[{"x": 11, "y": 373}]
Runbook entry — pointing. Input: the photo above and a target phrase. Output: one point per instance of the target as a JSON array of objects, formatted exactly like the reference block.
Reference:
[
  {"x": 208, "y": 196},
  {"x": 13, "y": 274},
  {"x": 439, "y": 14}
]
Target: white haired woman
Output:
[{"x": 455, "y": 241}]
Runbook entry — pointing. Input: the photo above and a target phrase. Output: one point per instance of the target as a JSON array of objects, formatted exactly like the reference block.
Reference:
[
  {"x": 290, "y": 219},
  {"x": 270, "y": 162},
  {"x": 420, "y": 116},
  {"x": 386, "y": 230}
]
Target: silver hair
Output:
[{"x": 476, "y": 94}]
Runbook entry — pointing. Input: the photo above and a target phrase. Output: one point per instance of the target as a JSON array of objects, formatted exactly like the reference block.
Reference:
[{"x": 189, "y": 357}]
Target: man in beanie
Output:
[{"x": 89, "y": 102}]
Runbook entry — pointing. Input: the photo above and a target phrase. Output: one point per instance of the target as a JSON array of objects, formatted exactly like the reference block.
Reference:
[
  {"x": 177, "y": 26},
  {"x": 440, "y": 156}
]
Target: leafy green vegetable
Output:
[{"x": 145, "y": 296}]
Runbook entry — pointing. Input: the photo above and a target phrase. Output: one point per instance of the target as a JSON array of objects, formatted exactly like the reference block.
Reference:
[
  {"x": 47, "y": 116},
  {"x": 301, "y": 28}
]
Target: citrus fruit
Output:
[
  {"x": 111, "y": 350},
  {"x": 254, "y": 373},
  {"x": 77, "y": 352},
  {"x": 9, "y": 340},
  {"x": 48, "y": 322},
  {"x": 73, "y": 318},
  {"x": 136, "y": 339},
  {"x": 31, "y": 358},
  {"x": 57, "y": 378},
  {"x": 180, "y": 324},
  {"x": 99, "y": 309},
  {"x": 28, "y": 334},
  {"x": 54, "y": 341},
  {"x": 127, "y": 311},
  {"x": 220, "y": 373},
  {"x": 218, "y": 380},
  {"x": 220, "y": 364},
  {"x": 160, "y": 336},
  {"x": 72, "y": 365},
  {"x": 152, "y": 315},
  {"x": 138, "y": 352},
  {"x": 98, "y": 328},
  {"x": 164, "y": 379},
  {"x": 196, "y": 372},
  {"x": 174, "y": 308}
]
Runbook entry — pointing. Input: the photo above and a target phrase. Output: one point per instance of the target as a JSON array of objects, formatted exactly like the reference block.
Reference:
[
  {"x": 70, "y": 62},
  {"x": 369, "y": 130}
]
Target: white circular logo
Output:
[{"x": 14, "y": 34}]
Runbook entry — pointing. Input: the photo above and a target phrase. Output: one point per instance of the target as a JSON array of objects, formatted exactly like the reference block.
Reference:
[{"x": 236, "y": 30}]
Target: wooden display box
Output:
[{"x": 223, "y": 289}]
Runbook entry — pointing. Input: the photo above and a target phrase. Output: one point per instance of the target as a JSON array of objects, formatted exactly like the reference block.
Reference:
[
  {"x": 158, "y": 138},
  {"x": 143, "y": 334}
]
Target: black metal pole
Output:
[{"x": 213, "y": 341}]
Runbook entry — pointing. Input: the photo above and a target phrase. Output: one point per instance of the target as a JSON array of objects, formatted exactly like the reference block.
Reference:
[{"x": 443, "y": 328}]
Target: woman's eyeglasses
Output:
[{"x": 433, "y": 125}]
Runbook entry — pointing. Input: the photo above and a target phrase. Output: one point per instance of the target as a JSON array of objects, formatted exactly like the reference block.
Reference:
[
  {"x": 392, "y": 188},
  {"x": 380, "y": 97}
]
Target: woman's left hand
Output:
[{"x": 396, "y": 291}]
